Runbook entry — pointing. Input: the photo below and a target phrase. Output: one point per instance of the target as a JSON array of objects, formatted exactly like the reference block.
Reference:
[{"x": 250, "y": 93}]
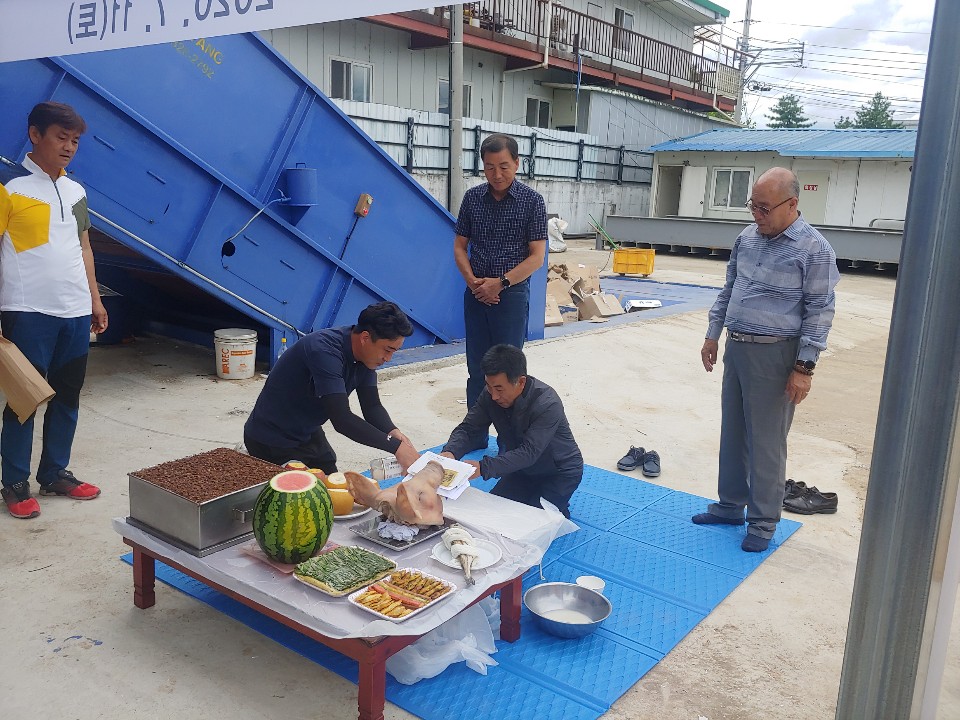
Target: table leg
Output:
[
  {"x": 510, "y": 610},
  {"x": 371, "y": 690},
  {"x": 144, "y": 578}
]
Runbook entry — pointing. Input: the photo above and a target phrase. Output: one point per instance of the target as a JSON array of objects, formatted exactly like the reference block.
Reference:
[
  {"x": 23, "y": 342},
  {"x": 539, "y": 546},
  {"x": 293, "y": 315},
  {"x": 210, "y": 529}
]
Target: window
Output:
[
  {"x": 594, "y": 10},
  {"x": 350, "y": 80},
  {"x": 731, "y": 188},
  {"x": 443, "y": 98},
  {"x": 622, "y": 38},
  {"x": 538, "y": 113}
]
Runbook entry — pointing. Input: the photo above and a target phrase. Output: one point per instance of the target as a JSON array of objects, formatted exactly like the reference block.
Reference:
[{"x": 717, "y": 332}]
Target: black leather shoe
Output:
[
  {"x": 650, "y": 464},
  {"x": 811, "y": 502},
  {"x": 632, "y": 460},
  {"x": 793, "y": 489}
]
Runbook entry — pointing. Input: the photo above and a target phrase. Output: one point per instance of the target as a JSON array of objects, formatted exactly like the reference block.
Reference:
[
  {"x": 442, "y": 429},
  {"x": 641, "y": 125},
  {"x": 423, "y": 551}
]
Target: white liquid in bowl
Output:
[{"x": 571, "y": 617}]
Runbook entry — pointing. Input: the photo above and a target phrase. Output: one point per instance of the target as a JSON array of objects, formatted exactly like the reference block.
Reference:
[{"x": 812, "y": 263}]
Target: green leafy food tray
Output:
[{"x": 344, "y": 569}]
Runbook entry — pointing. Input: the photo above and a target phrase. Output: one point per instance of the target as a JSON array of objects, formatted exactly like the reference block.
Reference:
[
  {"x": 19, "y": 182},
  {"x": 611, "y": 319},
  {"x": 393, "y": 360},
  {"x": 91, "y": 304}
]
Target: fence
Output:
[{"x": 418, "y": 141}]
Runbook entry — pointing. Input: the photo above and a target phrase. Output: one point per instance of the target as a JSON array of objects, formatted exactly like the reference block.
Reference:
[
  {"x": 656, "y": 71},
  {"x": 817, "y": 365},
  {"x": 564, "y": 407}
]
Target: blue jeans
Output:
[
  {"x": 57, "y": 348},
  {"x": 489, "y": 325}
]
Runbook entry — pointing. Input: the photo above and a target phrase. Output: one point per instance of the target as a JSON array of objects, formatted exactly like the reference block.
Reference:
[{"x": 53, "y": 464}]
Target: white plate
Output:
[
  {"x": 358, "y": 510},
  {"x": 489, "y": 554},
  {"x": 352, "y": 598}
]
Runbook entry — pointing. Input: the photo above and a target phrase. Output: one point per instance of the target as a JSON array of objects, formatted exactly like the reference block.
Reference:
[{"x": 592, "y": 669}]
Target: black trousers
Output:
[
  {"x": 528, "y": 489},
  {"x": 315, "y": 453}
]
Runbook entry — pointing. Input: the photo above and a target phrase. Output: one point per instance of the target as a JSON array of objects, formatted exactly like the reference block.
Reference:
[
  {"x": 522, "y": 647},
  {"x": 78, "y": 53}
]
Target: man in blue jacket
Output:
[{"x": 538, "y": 456}]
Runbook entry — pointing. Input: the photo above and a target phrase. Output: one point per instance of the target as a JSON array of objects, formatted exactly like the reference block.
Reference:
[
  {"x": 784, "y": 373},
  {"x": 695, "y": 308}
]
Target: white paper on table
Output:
[
  {"x": 454, "y": 492},
  {"x": 463, "y": 472}
]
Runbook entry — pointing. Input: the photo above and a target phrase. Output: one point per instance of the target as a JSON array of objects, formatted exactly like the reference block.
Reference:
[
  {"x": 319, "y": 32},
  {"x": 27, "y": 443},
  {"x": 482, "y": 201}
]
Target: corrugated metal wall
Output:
[{"x": 620, "y": 120}]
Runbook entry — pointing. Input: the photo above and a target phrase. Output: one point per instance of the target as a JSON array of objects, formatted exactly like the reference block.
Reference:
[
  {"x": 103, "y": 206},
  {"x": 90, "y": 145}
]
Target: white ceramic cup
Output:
[{"x": 591, "y": 582}]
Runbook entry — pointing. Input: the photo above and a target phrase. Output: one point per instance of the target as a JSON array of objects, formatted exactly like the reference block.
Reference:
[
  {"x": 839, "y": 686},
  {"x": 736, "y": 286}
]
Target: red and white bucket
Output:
[{"x": 236, "y": 351}]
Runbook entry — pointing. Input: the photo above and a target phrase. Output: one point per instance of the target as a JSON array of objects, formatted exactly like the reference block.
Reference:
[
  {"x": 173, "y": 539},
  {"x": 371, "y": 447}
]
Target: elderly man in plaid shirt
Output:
[{"x": 501, "y": 240}]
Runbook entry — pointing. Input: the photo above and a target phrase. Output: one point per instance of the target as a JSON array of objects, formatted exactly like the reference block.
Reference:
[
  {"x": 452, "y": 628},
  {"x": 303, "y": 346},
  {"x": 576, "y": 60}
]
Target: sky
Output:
[{"x": 850, "y": 51}]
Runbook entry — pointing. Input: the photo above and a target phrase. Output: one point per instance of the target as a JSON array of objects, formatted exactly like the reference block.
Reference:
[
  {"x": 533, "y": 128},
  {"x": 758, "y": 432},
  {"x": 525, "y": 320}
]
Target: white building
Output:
[{"x": 848, "y": 178}]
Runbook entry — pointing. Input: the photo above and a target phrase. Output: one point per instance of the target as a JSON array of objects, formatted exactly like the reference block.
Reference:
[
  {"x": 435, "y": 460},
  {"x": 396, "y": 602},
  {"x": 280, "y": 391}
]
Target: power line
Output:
[
  {"x": 869, "y": 76},
  {"x": 873, "y": 62},
  {"x": 828, "y": 90},
  {"x": 837, "y": 27},
  {"x": 866, "y": 50}
]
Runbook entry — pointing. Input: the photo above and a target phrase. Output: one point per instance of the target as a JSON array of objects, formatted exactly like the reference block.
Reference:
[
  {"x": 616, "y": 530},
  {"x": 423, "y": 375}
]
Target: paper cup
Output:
[{"x": 591, "y": 582}]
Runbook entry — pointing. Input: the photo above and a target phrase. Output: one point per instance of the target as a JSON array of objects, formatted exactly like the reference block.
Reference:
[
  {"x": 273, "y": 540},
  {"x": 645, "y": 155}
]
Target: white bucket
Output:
[{"x": 236, "y": 351}]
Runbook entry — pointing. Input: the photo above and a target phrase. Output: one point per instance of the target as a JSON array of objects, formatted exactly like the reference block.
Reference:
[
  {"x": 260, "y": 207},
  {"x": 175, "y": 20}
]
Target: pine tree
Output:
[
  {"x": 874, "y": 115},
  {"x": 788, "y": 113}
]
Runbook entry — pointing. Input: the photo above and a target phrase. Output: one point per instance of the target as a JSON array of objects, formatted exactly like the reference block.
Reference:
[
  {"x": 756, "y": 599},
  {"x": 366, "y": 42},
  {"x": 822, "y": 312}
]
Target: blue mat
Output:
[{"x": 663, "y": 575}]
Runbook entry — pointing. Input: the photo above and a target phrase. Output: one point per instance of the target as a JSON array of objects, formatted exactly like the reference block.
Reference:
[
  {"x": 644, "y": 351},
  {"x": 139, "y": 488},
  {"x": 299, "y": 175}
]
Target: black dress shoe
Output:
[
  {"x": 650, "y": 464},
  {"x": 793, "y": 489},
  {"x": 632, "y": 460},
  {"x": 811, "y": 502}
]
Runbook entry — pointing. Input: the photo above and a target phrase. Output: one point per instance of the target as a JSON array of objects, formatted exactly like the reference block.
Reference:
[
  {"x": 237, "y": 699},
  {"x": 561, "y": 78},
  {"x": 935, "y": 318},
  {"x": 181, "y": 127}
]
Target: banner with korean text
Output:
[{"x": 45, "y": 28}]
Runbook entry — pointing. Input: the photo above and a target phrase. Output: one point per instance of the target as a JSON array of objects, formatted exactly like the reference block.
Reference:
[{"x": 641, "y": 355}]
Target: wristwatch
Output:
[
  {"x": 804, "y": 367},
  {"x": 504, "y": 282}
]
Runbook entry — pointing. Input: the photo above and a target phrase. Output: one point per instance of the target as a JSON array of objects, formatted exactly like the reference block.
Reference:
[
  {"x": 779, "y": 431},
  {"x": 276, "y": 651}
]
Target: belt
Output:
[{"x": 763, "y": 339}]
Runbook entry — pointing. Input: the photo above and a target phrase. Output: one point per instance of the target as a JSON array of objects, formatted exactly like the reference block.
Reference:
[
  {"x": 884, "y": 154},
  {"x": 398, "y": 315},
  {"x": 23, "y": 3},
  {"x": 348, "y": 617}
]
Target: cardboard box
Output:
[
  {"x": 590, "y": 278},
  {"x": 599, "y": 305},
  {"x": 24, "y": 387},
  {"x": 552, "y": 316},
  {"x": 569, "y": 313},
  {"x": 559, "y": 289}
]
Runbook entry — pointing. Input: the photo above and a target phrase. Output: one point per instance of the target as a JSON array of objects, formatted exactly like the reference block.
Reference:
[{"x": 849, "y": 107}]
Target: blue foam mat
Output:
[{"x": 663, "y": 575}]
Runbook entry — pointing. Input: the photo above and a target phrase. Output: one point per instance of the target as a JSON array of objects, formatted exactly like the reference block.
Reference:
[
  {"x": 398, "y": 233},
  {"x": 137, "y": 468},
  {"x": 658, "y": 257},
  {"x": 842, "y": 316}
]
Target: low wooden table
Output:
[{"x": 370, "y": 653}]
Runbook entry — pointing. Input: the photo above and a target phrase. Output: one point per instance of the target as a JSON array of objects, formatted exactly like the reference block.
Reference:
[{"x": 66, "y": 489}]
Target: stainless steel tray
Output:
[
  {"x": 368, "y": 529},
  {"x": 199, "y": 528}
]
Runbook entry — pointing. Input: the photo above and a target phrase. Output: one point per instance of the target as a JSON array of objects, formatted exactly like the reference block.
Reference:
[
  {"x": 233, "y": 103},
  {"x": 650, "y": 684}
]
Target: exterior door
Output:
[
  {"x": 813, "y": 196},
  {"x": 693, "y": 188}
]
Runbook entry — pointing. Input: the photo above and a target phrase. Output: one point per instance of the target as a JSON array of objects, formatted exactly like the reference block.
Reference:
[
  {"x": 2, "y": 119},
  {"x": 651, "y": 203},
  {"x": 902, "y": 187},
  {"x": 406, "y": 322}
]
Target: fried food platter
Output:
[{"x": 402, "y": 594}]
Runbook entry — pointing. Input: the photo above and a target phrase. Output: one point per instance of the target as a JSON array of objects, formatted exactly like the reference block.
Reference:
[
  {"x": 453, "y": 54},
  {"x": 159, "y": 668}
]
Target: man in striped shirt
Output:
[
  {"x": 777, "y": 305},
  {"x": 501, "y": 240}
]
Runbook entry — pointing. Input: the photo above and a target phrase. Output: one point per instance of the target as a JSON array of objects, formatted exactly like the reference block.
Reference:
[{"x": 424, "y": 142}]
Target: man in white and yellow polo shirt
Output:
[{"x": 49, "y": 303}]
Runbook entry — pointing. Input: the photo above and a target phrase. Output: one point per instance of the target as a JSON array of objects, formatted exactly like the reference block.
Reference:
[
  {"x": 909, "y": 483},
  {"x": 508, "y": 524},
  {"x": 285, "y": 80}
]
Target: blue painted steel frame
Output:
[{"x": 188, "y": 143}]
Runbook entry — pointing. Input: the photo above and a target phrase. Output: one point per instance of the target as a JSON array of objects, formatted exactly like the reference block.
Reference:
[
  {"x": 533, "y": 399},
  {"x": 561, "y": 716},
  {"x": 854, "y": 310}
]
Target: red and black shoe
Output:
[
  {"x": 66, "y": 485},
  {"x": 19, "y": 502}
]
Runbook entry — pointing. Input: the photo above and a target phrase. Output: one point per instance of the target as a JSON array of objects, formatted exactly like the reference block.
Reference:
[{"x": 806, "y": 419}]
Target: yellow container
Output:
[{"x": 633, "y": 261}]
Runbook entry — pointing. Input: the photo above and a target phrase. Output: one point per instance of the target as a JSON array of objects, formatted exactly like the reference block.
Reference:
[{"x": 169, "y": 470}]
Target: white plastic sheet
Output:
[{"x": 467, "y": 637}]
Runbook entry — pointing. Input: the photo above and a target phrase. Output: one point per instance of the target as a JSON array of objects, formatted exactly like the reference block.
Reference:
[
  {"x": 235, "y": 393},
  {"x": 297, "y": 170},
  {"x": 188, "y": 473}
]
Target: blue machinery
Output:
[{"x": 219, "y": 163}]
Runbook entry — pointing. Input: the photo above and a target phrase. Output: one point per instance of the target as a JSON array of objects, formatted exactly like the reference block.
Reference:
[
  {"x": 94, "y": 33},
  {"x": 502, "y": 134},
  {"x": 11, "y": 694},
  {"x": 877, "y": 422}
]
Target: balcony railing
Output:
[{"x": 572, "y": 32}]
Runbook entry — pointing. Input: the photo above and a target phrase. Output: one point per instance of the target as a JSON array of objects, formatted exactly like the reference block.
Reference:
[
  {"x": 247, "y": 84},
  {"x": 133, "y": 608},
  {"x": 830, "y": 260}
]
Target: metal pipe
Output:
[
  {"x": 744, "y": 49},
  {"x": 455, "y": 100},
  {"x": 545, "y": 63},
  {"x": 905, "y": 588},
  {"x": 184, "y": 266}
]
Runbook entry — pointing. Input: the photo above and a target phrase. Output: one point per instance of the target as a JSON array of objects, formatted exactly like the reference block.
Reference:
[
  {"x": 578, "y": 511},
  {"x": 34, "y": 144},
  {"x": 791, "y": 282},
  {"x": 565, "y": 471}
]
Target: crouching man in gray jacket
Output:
[{"x": 538, "y": 456}]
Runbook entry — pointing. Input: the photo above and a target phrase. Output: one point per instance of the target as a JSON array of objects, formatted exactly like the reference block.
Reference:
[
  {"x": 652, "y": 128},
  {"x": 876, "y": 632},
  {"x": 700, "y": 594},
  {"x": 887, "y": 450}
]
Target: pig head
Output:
[{"x": 414, "y": 502}]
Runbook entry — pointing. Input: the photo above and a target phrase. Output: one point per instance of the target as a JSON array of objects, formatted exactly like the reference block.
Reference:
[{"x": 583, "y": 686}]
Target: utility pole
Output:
[
  {"x": 744, "y": 49},
  {"x": 455, "y": 96}
]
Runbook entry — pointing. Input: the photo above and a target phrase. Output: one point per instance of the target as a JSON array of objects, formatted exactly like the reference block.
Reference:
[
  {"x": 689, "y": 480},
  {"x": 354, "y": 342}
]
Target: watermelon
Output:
[{"x": 293, "y": 516}]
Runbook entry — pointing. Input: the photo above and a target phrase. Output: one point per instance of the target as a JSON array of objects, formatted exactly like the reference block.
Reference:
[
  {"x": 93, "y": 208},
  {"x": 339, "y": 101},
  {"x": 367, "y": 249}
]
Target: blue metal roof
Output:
[{"x": 807, "y": 142}]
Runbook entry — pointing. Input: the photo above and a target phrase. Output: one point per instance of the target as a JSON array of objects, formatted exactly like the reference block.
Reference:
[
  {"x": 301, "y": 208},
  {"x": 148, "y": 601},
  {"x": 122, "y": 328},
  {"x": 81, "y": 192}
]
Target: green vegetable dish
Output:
[{"x": 344, "y": 569}]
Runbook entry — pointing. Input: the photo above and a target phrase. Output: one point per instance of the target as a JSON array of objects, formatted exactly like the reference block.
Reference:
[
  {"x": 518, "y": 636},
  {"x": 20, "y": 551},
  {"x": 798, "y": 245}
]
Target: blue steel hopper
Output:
[{"x": 218, "y": 162}]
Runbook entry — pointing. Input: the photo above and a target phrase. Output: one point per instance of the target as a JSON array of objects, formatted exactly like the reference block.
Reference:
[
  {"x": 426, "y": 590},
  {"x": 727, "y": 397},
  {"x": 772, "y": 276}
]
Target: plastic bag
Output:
[
  {"x": 555, "y": 228},
  {"x": 465, "y": 637}
]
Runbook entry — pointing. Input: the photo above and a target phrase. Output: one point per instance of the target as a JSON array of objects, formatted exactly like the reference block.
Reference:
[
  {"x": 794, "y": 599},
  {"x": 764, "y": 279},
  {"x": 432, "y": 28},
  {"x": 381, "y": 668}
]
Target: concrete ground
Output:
[{"x": 73, "y": 646}]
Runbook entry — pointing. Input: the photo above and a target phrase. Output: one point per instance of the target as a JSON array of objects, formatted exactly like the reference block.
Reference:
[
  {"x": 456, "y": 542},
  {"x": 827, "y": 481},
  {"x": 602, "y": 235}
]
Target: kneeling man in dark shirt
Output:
[
  {"x": 538, "y": 456},
  {"x": 311, "y": 383}
]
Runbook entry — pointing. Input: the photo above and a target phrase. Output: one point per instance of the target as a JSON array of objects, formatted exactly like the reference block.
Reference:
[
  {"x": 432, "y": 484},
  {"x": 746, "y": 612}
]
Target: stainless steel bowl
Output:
[{"x": 567, "y": 610}]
